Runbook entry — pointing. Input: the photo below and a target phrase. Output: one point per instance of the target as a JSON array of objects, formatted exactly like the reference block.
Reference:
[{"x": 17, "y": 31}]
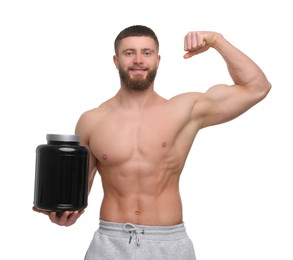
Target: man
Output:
[{"x": 139, "y": 142}]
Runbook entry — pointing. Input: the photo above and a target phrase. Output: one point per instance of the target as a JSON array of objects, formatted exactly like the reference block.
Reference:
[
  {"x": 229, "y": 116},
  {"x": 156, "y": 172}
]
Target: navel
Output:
[
  {"x": 137, "y": 212},
  {"x": 164, "y": 144}
]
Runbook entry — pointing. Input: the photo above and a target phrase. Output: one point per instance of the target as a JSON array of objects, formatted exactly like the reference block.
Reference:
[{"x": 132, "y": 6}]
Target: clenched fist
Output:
[{"x": 197, "y": 42}]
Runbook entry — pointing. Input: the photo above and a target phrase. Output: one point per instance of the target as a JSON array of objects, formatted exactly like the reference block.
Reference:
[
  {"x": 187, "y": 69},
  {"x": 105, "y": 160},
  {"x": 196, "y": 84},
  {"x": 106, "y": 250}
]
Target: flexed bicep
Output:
[{"x": 221, "y": 103}]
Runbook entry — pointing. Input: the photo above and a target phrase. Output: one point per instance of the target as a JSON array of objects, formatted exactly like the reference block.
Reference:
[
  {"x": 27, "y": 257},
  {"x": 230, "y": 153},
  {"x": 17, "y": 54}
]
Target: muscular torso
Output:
[{"x": 140, "y": 155}]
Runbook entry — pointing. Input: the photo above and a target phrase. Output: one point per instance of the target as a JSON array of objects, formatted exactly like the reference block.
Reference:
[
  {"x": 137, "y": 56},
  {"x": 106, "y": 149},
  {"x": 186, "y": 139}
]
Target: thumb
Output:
[{"x": 189, "y": 54}]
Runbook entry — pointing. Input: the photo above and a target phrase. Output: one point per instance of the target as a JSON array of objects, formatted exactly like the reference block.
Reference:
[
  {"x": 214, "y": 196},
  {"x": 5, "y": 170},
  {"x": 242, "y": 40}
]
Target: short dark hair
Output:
[{"x": 135, "y": 30}]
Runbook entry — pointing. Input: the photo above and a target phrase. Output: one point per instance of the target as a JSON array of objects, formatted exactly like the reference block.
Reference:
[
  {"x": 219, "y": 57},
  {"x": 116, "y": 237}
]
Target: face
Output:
[{"x": 137, "y": 62}]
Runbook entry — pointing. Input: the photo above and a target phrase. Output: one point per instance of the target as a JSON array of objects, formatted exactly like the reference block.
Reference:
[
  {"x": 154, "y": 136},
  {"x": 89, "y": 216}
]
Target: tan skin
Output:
[{"x": 139, "y": 141}]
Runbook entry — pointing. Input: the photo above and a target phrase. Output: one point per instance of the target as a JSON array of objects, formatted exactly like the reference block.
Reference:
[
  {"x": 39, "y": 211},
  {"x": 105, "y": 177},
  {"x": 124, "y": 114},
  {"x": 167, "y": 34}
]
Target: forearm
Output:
[{"x": 242, "y": 69}]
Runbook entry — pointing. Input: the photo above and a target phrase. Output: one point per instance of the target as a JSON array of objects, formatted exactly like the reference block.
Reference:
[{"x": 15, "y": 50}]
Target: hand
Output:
[
  {"x": 67, "y": 218},
  {"x": 198, "y": 42}
]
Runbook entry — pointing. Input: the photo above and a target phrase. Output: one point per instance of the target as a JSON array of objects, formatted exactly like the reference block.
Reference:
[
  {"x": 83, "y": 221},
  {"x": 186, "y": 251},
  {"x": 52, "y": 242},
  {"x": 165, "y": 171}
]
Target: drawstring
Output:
[{"x": 132, "y": 229}]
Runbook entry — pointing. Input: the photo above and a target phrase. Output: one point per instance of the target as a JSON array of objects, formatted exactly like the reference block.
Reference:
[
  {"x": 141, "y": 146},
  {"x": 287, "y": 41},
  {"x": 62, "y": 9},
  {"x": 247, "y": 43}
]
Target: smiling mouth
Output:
[{"x": 137, "y": 70}]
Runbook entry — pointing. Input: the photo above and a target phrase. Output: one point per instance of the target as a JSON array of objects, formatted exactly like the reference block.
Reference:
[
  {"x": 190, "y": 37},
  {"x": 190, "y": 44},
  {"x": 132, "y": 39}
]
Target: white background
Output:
[{"x": 56, "y": 62}]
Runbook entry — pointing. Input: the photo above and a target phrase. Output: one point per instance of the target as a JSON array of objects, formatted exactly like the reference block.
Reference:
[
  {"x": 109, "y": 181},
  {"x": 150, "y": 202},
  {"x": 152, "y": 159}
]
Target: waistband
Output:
[{"x": 129, "y": 230}]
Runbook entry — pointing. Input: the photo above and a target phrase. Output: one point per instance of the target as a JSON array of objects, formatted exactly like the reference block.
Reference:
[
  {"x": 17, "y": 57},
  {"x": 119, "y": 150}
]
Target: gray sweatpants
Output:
[{"x": 118, "y": 241}]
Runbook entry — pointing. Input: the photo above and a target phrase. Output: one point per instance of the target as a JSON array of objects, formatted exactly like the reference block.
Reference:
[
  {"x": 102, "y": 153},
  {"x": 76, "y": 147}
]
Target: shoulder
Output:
[
  {"x": 181, "y": 106},
  {"x": 185, "y": 101},
  {"x": 89, "y": 119},
  {"x": 96, "y": 113},
  {"x": 188, "y": 96},
  {"x": 87, "y": 116}
]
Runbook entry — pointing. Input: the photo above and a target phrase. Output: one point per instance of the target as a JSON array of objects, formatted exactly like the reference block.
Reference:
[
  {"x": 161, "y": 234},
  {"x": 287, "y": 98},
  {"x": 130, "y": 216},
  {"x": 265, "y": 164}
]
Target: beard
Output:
[{"x": 137, "y": 83}]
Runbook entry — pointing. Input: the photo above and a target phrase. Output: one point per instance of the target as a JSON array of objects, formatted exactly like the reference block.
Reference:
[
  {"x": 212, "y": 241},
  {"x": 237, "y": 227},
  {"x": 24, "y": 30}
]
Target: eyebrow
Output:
[{"x": 134, "y": 50}]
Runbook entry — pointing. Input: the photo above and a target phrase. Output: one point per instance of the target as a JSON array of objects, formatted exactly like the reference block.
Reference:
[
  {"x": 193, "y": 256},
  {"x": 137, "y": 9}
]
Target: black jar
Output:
[{"x": 61, "y": 174}]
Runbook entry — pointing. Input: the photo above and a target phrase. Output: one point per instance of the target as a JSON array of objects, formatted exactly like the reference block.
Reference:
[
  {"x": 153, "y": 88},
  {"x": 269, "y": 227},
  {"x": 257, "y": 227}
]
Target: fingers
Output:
[
  {"x": 67, "y": 218},
  {"x": 193, "y": 40},
  {"x": 41, "y": 211},
  {"x": 197, "y": 42}
]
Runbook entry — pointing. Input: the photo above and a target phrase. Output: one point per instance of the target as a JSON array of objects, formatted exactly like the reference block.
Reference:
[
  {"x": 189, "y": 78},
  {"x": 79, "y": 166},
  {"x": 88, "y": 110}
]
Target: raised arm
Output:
[{"x": 222, "y": 103}]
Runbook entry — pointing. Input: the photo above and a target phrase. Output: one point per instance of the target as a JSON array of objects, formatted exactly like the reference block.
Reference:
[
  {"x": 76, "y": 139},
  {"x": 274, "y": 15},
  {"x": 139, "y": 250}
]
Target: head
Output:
[
  {"x": 135, "y": 31},
  {"x": 136, "y": 56}
]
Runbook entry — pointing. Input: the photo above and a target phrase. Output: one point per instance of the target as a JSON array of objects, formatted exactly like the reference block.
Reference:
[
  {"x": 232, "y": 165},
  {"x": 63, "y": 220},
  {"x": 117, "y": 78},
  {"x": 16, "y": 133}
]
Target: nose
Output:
[{"x": 138, "y": 59}]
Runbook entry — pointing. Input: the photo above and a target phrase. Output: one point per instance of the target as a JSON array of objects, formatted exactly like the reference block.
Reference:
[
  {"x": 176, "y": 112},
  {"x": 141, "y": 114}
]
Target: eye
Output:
[
  {"x": 128, "y": 53},
  {"x": 147, "y": 53}
]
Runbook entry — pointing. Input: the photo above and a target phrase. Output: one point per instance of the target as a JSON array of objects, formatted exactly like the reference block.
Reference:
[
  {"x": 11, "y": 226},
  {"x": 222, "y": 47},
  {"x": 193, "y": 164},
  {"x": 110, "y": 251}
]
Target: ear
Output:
[
  {"x": 159, "y": 59},
  {"x": 115, "y": 59}
]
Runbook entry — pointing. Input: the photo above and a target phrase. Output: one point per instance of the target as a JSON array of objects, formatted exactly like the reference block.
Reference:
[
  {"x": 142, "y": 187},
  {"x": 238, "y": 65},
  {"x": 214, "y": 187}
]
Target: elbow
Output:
[{"x": 264, "y": 90}]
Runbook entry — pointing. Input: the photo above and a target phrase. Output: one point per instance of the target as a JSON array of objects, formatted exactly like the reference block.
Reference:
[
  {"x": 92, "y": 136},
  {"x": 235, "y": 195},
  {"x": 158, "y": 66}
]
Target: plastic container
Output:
[{"x": 61, "y": 174}]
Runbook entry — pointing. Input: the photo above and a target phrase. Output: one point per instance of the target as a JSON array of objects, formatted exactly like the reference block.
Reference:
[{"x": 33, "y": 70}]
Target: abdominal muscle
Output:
[{"x": 141, "y": 197}]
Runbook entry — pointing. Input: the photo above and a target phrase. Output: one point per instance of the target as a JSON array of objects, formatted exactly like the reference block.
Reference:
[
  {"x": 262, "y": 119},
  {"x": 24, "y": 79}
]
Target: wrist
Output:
[{"x": 213, "y": 39}]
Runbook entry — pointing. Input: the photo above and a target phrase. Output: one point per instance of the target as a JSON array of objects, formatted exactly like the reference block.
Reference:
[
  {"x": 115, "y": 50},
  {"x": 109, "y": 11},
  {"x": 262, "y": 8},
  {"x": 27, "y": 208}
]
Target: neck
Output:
[{"x": 136, "y": 99}]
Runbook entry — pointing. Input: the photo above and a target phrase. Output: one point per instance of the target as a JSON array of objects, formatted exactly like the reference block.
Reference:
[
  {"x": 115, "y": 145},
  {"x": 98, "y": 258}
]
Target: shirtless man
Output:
[{"x": 139, "y": 142}]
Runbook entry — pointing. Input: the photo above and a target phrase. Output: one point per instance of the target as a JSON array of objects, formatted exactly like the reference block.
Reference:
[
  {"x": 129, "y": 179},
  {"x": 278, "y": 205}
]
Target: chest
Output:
[{"x": 122, "y": 138}]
